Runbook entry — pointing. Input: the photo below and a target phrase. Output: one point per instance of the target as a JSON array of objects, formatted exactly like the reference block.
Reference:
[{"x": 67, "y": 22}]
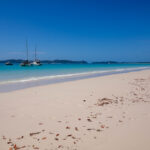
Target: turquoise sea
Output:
[{"x": 16, "y": 73}]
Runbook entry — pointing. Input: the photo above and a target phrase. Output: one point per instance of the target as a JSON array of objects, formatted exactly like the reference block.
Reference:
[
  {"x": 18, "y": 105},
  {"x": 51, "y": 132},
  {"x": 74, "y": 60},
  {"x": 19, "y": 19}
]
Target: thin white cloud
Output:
[{"x": 23, "y": 52}]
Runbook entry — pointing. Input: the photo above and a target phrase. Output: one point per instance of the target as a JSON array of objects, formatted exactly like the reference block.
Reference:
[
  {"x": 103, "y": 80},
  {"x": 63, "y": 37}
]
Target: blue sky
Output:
[{"x": 91, "y": 30}]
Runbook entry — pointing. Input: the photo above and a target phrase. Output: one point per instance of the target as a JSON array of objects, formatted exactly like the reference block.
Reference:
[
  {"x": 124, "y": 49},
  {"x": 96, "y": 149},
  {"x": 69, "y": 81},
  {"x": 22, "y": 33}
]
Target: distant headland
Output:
[{"x": 57, "y": 61}]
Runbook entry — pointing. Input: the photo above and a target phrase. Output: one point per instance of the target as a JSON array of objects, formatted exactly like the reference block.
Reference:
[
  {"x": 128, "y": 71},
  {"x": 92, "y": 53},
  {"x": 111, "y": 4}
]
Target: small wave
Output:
[{"x": 63, "y": 76}]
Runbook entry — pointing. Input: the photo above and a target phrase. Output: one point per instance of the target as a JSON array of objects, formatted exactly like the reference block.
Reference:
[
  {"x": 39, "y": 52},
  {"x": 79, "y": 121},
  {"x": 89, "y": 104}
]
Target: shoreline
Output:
[
  {"x": 40, "y": 81},
  {"x": 108, "y": 113}
]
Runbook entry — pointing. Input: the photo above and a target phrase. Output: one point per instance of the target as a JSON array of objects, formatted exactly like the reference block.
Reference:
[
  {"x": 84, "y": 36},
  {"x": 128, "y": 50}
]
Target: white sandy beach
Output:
[{"x": 102, "y": 113}]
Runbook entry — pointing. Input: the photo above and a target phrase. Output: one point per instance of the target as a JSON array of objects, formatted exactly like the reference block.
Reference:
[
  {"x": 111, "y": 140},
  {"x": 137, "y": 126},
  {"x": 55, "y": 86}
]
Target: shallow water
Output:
[{"x": 16, "y": 73}]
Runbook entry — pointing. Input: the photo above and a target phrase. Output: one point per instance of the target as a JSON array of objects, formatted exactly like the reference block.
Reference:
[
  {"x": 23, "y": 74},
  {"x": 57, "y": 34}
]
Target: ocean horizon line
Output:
[{"x": 69, "y": 61}]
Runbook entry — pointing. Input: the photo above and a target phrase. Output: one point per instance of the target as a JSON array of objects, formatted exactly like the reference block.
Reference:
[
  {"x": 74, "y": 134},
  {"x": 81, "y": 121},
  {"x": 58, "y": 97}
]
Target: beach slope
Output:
[{"x": 103, "y": 113}]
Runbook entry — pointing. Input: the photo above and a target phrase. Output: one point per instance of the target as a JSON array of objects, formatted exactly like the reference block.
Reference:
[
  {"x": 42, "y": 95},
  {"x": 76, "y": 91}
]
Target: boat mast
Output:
[
  {"x": 27, "y": 48},
  {"x": 35, "y": 53}
]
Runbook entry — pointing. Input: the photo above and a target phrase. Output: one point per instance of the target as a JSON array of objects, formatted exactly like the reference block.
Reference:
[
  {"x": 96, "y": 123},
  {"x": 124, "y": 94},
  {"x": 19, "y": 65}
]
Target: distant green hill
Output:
[{"x": 71, "y": 62}]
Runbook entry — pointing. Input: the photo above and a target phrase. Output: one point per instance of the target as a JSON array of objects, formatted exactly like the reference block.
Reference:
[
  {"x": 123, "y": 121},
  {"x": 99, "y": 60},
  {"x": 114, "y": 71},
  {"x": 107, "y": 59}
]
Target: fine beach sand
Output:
[{"x": 102, "y": 113}]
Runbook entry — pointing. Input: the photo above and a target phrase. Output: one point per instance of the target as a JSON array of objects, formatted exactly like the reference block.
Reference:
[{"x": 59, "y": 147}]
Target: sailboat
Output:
[
  {"x": 26, "y": 62},
  {"x": 36, "y": 61},
  {"x": 8, "y": 63}
]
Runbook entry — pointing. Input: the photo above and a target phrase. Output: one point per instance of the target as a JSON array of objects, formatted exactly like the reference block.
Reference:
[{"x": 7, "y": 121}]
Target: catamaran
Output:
[
  {"x": 36, "y": 61},
  {"x": 26, "y": 62}
]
